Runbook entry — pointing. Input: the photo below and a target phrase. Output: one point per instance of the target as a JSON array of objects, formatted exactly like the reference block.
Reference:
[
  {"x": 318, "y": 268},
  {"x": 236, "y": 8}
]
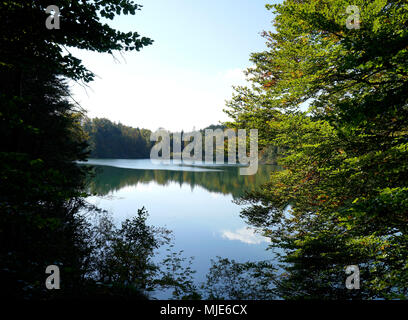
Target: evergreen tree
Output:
[{"x": 41, "y": 184}]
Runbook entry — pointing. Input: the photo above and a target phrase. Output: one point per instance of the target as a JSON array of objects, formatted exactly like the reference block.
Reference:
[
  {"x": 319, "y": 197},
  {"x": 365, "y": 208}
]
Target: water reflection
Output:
[
  {"x": 245, "y": 235},
  {"x": 225, "y": 179},
  {"x": 196, "y": 203}
]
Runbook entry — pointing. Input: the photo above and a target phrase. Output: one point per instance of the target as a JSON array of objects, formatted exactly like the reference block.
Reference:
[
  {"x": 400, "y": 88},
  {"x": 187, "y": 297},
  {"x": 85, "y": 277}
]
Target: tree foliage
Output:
[
  {"x": 26, "y": 44},
  {"x": 116, "y": 141},
  {"x": 336, "y": 100},
  {"x": 42, "y": 187}
]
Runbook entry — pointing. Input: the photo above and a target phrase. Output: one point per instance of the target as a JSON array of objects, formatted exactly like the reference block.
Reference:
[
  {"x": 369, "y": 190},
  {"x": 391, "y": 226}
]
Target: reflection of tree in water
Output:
[
  {"x": 227, "y": 181},
  {"x": 228, "y": 279},
  {"x": 124, "y": 263},
  {"x": 121, "y": 260}
]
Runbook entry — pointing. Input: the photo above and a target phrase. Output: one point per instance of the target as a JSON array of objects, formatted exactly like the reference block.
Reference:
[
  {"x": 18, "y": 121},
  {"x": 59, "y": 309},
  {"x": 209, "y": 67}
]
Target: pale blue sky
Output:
[{"x": 184, "y": 78}]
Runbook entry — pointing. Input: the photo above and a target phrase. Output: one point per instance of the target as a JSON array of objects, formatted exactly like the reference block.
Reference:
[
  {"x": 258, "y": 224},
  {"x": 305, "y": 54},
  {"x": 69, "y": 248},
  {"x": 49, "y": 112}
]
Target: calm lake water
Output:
[{"x": 193, "y": 200}]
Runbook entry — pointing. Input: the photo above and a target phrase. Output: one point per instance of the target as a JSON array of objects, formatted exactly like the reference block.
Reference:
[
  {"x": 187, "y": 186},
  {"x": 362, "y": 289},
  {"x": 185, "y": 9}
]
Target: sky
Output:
[{"x": 182, "y": 81}]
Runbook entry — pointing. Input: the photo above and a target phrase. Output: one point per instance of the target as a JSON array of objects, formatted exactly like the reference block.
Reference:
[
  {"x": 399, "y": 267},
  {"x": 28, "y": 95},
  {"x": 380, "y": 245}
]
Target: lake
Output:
[{"x": 193, "y": 200}]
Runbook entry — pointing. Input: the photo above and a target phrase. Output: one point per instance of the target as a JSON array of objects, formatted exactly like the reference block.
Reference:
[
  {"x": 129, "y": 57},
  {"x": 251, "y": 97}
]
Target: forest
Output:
[
  {"x": 330, "y": 104},
  {"x": 109, "y": 140}
]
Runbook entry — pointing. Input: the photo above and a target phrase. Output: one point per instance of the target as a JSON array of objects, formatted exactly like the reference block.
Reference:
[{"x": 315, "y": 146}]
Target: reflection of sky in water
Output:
[
  {"x": 148, "y": 164},
  {"x": 205, "y": 224},
  {"x": 245, "y": 235}
]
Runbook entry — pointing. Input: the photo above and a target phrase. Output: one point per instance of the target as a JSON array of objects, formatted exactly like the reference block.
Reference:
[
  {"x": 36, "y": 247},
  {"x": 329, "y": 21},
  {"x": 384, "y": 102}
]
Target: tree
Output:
[
  {"x": 42, "y": 187},
  {"x": 27, "y": 44},
  {"x": 111, "y": 140},
  {"x": 336, "y": 100}
]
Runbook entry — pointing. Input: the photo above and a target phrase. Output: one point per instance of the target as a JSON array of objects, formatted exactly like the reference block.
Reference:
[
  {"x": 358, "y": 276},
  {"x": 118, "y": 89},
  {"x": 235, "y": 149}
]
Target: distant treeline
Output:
[
  {"x": 109, "y": 140},
  {"x": 114, "y": 140}
]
